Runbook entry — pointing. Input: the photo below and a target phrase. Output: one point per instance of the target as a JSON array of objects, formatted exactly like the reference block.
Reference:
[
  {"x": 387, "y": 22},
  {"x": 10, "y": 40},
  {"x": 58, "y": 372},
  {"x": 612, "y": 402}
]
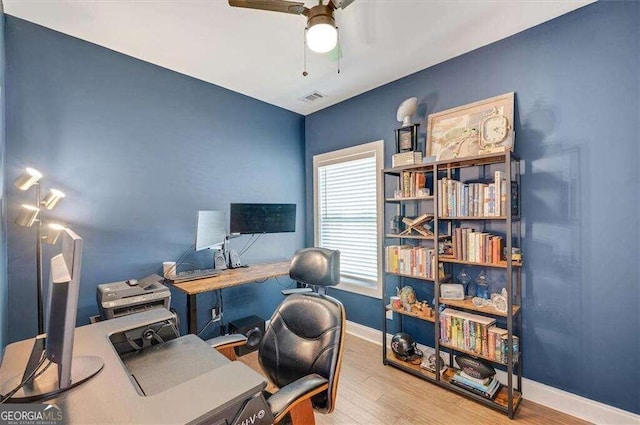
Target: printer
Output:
[{"x": 118, "y": 299}]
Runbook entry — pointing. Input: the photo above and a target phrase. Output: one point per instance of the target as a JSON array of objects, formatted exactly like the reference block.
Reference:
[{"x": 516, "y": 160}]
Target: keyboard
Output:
[{"x": 194, "y": 275}]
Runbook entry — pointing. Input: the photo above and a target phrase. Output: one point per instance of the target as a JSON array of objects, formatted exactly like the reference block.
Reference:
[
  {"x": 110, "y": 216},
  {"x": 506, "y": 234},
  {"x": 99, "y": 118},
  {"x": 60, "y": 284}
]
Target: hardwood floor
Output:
[{"x": 370, "y": 393}]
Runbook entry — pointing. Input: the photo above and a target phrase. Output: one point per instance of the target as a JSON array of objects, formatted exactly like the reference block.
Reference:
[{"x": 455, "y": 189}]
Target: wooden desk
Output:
[{"x": 226, "y": 279}]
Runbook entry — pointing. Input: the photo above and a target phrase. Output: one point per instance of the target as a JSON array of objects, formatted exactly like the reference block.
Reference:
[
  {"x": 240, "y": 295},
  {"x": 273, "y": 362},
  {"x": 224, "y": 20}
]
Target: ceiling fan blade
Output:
[
  {"x": 340, "y": 4},
  {"x": 295, "y": 8}
]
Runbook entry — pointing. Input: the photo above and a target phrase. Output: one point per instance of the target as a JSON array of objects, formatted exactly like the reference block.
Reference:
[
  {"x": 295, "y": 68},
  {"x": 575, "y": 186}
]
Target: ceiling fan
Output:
[{"x": 322, "y": 34}]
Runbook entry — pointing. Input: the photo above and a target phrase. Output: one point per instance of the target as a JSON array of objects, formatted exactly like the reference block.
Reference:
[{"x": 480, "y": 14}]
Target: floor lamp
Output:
[{"x": 30, "y": 215}]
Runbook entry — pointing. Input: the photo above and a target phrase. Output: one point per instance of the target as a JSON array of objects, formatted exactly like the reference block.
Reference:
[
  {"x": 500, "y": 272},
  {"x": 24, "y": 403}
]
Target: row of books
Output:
[
  {"x": 498, "y": 343},
  {"x": 466, "y": 331},
  {"x": 416, "y": 261},
  {"x": 475, "y": 199},
  {"x": 479, "y": 247},
  {"x": 487, "y": 387},
  {"x": 413, "y": 184},
  {"x": 475, "y": 333}
]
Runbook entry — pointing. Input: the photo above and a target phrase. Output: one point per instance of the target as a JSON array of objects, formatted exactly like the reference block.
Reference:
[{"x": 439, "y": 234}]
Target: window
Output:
[{"x": 348, "y": 213}]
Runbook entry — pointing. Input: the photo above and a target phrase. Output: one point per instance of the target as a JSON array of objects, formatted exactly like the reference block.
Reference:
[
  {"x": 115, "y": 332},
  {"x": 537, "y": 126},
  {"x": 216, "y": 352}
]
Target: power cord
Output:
[
  {"x": 251, "y": 244},
  {"x": 31, "y": 376},
  {"x": 179, "y": 261},
  {"x": 284, "y": 285}
]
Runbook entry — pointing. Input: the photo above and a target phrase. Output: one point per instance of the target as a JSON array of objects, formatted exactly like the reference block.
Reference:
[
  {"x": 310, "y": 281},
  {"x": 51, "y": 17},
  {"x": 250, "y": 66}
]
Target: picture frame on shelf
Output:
[
  {"x": 474, "y": 129},
  {"x": 407, "y": 138}
]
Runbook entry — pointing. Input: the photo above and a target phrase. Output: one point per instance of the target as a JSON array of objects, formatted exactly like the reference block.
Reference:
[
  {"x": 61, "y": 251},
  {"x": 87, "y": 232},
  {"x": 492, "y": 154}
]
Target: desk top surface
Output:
[
  {"x": 234, "y": 277},
  {"x": 110, "y": 397}
]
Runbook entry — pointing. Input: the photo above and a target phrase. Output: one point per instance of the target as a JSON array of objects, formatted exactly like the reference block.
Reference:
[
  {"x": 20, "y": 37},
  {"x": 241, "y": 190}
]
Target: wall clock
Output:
[{"x": 494, "y": 129}]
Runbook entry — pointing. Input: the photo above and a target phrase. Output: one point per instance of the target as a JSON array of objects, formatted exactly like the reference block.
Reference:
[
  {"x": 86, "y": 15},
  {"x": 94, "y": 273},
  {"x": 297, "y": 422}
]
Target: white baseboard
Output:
[{"x": 554, "y": 398}]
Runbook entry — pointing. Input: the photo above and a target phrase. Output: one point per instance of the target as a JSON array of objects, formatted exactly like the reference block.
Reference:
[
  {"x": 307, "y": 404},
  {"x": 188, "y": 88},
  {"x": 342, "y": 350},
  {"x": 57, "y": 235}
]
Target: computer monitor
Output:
[
  {"x": 63, "y": 304},
  {"x": 210, "y": 230},
  {"x": 262, "y": 218},
  {"x": 40, "y": 382}
]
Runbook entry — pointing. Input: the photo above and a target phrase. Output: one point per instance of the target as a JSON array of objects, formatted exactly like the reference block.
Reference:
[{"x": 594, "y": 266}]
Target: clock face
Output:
[{"x": 494, "y": 129}]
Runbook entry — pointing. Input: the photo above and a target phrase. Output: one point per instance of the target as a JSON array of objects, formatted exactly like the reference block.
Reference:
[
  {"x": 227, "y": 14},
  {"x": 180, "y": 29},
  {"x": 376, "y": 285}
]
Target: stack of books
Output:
[
  {"x": 487, "y": 387},
  {"x": 406, "y": 158}
]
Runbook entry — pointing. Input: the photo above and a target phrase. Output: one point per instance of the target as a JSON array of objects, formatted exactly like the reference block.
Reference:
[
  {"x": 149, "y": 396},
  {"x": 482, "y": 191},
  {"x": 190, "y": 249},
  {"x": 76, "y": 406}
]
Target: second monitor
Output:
[{"x": 262, "y": 218}]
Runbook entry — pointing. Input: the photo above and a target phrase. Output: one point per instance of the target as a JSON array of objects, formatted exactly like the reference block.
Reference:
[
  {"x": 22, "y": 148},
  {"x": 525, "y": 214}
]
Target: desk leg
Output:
[{"x": 192, "y": 314}]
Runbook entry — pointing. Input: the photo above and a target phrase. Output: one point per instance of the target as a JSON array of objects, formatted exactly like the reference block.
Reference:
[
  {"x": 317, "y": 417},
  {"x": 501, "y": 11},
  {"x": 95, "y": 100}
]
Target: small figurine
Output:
[{"x": 407, "y": 295}]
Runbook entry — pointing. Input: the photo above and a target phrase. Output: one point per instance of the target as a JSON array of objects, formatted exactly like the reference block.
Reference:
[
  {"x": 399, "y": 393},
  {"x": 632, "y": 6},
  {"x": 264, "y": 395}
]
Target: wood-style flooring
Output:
[{"x": 370, "y": 393}]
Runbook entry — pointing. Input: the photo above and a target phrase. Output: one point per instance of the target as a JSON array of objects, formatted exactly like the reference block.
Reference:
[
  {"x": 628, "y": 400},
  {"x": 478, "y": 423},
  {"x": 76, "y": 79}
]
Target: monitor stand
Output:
[{"x": 45, "y": 384}]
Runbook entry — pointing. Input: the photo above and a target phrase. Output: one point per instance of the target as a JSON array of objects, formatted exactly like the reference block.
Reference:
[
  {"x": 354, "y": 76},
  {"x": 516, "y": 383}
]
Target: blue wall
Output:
[
  {"x": 577, "y": 84},
  {"x": 138, "y": 150},
  {"x": 4, "y": 322}
]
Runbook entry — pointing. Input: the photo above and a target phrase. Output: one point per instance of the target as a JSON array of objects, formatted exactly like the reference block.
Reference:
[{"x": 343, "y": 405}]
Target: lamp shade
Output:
[
  {"x": 52, "y": 198},
  {"x": 52, "y": 232},
  {"x": 28, "y": 178},
  {"x": 27, "y": 215},
  {"x": 322, "y": 37}
]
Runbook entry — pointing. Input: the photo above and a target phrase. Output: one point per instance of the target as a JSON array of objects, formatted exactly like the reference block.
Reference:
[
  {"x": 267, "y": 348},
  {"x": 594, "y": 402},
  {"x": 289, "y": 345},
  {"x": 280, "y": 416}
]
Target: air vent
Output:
[{"x": 314, "y": 96}]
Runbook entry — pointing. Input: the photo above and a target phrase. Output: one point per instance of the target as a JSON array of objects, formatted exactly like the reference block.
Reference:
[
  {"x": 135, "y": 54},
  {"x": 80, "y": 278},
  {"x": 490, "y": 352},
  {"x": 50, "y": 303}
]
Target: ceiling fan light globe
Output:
[{"x": 322, "y": 38}]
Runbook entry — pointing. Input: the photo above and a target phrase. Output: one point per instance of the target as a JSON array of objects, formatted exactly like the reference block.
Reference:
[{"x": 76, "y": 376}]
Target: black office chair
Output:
[{"x": 301, "y": 351}]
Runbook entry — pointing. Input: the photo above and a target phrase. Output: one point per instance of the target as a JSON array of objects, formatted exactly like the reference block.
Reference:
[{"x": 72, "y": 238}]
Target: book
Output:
[
  {"x": 515, "y": 199},
  {"x": 487, "y": 388},
  {"x": 489, "y": 395},
  {"x": 479, "y": 381}
]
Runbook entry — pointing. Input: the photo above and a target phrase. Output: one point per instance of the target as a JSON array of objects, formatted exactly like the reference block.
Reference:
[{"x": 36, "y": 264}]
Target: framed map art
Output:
[{"x": 478, "y": 128}]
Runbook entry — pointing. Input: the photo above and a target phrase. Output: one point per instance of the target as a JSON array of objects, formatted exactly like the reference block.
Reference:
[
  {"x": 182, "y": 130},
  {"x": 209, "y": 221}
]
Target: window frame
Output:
[{"x": 349, "y": 154}]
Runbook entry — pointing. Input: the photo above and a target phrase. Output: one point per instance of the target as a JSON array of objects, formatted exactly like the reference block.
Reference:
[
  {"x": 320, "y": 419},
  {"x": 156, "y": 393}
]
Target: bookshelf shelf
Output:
[
  {"x": 476, "y": 211},
  {"x": 411, "y": 314},
  {"x": 501, "y": 264},
  {"x": 467, "y": 304},
  {"x": 411, "y": 276},
  {"x": 479, "y": 217},
  {"x": 409, "y": 198},
  {"x": 420, "y": 237},
  {"x": 500, "y": 401},
  {"x": 462, "y": 350}
]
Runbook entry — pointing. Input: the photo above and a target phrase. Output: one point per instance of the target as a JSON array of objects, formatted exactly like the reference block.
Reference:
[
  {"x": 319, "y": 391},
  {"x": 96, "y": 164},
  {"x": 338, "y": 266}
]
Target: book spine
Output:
[{"x": 498, "y": 176}]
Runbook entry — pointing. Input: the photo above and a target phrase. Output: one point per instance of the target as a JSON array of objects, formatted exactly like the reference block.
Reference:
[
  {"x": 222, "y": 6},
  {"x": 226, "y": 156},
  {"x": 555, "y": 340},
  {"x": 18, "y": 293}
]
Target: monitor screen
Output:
[
  {"x": 210, "y": 230},
  {"x": 262, "y": 218}
]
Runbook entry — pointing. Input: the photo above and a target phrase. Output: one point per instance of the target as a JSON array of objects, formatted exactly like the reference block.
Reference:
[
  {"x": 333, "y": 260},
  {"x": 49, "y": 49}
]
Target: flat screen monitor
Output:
[
  {"x": 210, "y": 230},
  {"x": 63, "y": 304},
  {"x": 71, "y": 370},
  {"x": 262, "y": 218}
]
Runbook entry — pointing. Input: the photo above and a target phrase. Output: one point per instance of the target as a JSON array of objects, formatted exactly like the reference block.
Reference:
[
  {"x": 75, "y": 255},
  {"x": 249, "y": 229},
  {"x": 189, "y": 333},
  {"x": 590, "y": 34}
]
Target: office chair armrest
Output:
[
  {"x": 295, "y": 291},
  {"x": 225, "y": 344},
  {"x": 233, "y": 340},
  {"x": 287, "y": 397}
]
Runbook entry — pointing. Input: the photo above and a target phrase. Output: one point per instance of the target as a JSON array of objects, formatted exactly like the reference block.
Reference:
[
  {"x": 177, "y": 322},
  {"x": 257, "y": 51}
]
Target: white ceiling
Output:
[{"x": 260, "y": 53}]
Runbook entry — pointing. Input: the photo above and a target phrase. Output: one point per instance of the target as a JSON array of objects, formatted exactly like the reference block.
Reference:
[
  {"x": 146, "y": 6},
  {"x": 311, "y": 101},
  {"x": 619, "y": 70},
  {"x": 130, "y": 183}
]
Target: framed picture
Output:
[
  {"x": 407, "y": 138},
  {"x": 475, "y": 129}
]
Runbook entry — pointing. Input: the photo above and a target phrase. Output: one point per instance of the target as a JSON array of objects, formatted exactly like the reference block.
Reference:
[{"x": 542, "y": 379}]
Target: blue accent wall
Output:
[
  {"x": 577, "y": 84},
  {"x": 138, "y": 149},
  {"x": 4, "y": 286}
]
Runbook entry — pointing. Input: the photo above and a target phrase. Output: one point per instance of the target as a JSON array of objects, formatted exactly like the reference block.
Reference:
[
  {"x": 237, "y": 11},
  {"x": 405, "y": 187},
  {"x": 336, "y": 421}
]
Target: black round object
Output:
[
  {"x": 404, "y": 347},
  {"x": 253, "y": 337},
  {"x": 473, "y": 366}
]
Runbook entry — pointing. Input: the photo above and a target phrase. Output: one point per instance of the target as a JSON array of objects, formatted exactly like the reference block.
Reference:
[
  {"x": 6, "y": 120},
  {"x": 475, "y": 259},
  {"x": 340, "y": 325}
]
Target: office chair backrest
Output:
[
  {"x": 305, "y": 336},
  {"x": 318, "y": 267}
]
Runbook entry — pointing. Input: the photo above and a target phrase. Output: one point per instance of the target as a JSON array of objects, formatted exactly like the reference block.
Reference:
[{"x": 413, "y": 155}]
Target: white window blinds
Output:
[{"x": 347, "y": 215}]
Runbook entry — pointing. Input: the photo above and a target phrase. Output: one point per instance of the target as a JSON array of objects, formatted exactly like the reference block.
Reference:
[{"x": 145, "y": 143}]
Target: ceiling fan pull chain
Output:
[{"x": 304, "y": 72}]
